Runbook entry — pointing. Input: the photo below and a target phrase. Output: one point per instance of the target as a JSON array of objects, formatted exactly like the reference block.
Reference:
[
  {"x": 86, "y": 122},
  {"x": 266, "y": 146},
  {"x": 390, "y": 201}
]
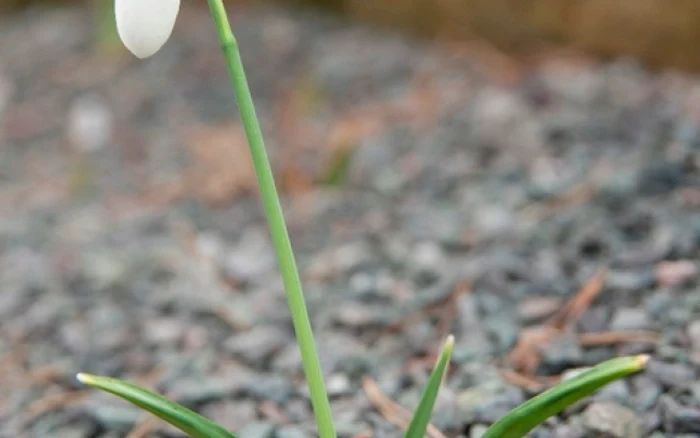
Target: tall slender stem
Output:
[{"x": 277, "y": 225}]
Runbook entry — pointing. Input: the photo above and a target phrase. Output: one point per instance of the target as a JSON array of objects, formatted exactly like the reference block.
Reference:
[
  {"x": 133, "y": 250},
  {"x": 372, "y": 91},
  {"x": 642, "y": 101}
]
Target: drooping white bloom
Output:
[{"x": 145, "y": 25}]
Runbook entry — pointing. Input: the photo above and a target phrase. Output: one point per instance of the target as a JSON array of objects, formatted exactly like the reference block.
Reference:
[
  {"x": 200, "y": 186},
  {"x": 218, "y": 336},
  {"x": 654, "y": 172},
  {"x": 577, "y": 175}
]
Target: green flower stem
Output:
[{"x": 275, "y": 217}]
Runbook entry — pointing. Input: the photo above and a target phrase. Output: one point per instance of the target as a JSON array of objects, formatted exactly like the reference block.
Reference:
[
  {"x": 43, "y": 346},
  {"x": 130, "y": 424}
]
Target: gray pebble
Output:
[
  {"x": 338, "y": 384},
  {"x": 630, "y": 319},
  {"x": 678, "y": 418},
  {"x": 615, "y": 392},
  {"x": 161, "y": 331},
  {"x": 257, "y": 345},
  {"x": 488, "y": 401},
  {"x": 120, "y": 418},
  {"x": 477, "y": 430},
  {"x": 231, "y": 414},
  {"x": 694, "y": 334},
  {"x": 358, "y": 315},
  {"x": 566, "y": 431},
  {"x": 564, "y": 352},
  {"x": 203, "y": 389},
  {"x": 257, "y": 429},
  {"x": 272, "y": 387},
  {"x": 611, "y": 420},
  {"x": 646, "y": 392},
  {"x": 677, "y": 375},
  {"x": 291, "y": 432}
]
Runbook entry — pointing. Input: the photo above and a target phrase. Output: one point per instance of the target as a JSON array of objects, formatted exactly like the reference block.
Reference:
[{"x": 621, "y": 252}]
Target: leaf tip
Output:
[
  {"x": 449, "y": 343},
  {"x": 642, "y": 361},
  {"x": 85, "y": 378}
]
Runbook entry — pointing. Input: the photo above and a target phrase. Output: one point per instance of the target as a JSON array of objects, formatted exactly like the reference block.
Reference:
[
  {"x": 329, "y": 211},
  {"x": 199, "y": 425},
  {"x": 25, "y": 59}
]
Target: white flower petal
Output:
[{"x": 145, "y": 25}]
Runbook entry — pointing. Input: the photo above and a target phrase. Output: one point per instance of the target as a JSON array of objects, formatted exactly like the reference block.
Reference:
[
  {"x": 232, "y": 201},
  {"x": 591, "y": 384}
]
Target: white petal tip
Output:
[{"x": 145, "y": 26}]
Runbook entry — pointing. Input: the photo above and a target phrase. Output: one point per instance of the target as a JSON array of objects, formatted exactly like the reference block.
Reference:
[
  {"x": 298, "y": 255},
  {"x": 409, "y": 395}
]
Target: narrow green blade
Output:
[
  {"x": 421, "y": 416},
  {"x": 179, "y": 416},
  {"x": 533, "y": 412}
]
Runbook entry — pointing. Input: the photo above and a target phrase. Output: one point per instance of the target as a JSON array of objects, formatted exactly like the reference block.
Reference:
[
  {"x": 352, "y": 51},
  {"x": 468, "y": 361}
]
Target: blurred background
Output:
[{"x": 523, "y": 174}]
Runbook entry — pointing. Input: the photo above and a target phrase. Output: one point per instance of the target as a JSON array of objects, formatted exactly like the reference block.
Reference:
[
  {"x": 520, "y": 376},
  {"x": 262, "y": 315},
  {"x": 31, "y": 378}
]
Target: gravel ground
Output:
[{"x": 479, "y": 197}]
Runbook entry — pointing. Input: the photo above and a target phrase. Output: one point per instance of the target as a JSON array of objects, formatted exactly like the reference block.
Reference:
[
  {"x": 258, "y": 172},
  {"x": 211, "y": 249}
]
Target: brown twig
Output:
[
  {"x": 144, "y": 427},
  {"x": 529, "y": 383},
  {"x": 445, "y": 305},
  {"x": 392, "y": 411},
  {"x": 449, "y": 310},
  {"x": 43, "y": 374},
  {"x": 573, "y": 310},
  {"x": 525, "y": 356},
  {"x": 612, "y": 338},
  {"x": 52, "y": 402},
  {"x": 273, "y": 412}
]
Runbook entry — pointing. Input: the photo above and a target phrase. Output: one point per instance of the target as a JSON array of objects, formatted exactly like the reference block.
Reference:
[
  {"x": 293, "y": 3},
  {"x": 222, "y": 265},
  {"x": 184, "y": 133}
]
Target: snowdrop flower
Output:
[{"x": 145, "y": 25}]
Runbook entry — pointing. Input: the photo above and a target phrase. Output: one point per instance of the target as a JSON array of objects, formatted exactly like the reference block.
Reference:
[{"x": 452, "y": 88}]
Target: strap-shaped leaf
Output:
[
  {"x": 533, "y": 412},
  {"x": 179, "y": 416},
  {"x": 421, "y": 416}
]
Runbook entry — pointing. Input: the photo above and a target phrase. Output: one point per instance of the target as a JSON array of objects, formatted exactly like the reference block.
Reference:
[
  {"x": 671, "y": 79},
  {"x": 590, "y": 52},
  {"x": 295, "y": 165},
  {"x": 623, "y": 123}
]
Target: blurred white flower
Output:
[{"x": 145, "y": 25}]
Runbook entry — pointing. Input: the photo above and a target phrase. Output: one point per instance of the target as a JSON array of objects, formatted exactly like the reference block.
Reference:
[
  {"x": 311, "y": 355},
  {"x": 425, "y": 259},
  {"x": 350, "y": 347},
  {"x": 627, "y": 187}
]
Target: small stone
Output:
[
  {"x": 298, "y": 410},
  {"x": 611, "y": 421},
  {"x": 80, "y": 430},
  {"x": 115, "y": 417},
  {"x": 7, "y": 88},
  {"x": 288, "y": 360},
  {"x": 209, "y": 246},
  {"x": 275, "y": 388},
  {"x": 90, "y": 123},
  {"x": 362, "y": 285},
  {"x": 203, "y": 389},
  {"x": 291, "y": 432},
  {"x": 676, "y": 272},
  {"x": 160, "y": 331},
  {"x": 232, "y": 415},
  {"x": 356, "y": 315},
  {"x": 504, "y": 332},
  {"x": 105, "y": 270},
  {"x": 630, "y": 280},
  {"x": 252, "y": 259},
  {"x": 658, "y": 304},
  {"x": 488, "y": 401},
  {"x": 614, "y": 392},
  {"x": 446, "y": 415},
  {"x": 562, "y": 353},
  {"x": 348, "y": 428},
  {"x": 678, "y": 418},
  {"x": 350, "y": 256},
  {"x": 630, "y": 319},
  {"x": 493, "y": 220},
  {"x": 676, "y": 375},
  {"x": 338, "y": 384},
  {"x": 594, "y": 320},
  {"x": 428, "y": 256},
  {"x": 258, "y": 429},
  {"x": 257, "y": 345},
  {"x": 473, "y": 344},
  {"x": 566, "y": 431},
  {"x": 694, "y": 334},
  {"x": 646, "y": 392},
  {"x": 477, "y": 430}
]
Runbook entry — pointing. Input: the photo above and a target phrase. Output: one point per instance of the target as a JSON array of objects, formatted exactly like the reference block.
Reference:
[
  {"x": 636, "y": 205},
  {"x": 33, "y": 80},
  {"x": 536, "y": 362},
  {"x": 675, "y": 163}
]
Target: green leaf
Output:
[
  {"x": 533, "y": 412},
  {"x": 179, "y": 416},
  {"x": 421, "y": 416}
]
